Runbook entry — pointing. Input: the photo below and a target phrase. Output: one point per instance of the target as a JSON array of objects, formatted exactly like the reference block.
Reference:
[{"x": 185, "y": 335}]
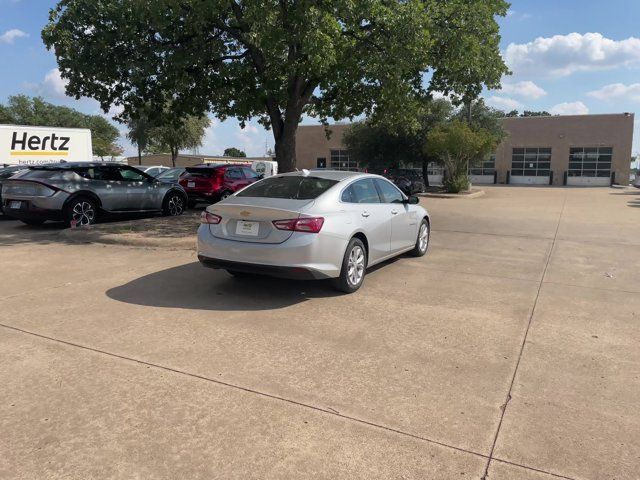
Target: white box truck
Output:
[{"x": 25, "y": 145}]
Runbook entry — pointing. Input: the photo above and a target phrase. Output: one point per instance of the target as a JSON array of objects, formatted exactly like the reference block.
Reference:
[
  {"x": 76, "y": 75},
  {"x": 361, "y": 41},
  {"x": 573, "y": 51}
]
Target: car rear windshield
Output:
[
  {"x": 202, "y": 172},
  {"x": 293, "y": 187}
]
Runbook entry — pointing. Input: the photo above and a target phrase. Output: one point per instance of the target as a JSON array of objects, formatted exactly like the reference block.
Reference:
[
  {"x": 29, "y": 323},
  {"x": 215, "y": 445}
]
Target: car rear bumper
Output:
[
  {"x": 302, "y": 256},
  {"x": 294, "y": 273},
  {"x": 204, "y": 197},
  {"x": 29, "y": 211}
]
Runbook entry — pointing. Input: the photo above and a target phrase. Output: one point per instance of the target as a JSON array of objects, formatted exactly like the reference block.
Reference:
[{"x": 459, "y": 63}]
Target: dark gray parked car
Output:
[
  {"x": 78, "y": 193},
  {"x": 7, "y": 172}
]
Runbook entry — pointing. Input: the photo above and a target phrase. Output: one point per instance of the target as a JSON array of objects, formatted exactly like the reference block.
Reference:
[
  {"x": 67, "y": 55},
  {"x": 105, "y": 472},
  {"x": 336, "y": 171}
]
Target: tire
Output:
[
  {"x": 32, "y": 221},
  {"x": 354, "y": 267},
  {"x": 422, "y": 242},
  {"x": 81, "y": 209},
  {"x": 173, "y": 204}
]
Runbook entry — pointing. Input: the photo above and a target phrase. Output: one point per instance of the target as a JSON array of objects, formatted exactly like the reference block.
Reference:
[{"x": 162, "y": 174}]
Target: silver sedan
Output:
[{"x": 313, "y": 225}]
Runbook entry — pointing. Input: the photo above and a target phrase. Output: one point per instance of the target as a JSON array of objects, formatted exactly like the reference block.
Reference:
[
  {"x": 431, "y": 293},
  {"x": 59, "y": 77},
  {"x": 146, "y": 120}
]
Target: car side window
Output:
[
  {"x": 109, "y": 174},
  {"x": 132, "y": 175},
  {"x": 389, "y": 192},
  {"x": 250, "y": 174},
  {"x": 233, "y": 174},
  {"x": 362, "y": 191}
]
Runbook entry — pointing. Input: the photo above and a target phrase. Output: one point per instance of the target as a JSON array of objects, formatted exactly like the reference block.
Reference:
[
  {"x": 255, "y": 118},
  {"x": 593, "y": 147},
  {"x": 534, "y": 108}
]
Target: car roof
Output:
[
  {"x": 70, "y": 165},
  {"x": 337, "y": 175},
  {"x": 219, "y": 165}
]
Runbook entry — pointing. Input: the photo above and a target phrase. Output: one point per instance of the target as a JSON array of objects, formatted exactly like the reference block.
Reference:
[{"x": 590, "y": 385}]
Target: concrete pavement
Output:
[{"x": 509, "y": 351}]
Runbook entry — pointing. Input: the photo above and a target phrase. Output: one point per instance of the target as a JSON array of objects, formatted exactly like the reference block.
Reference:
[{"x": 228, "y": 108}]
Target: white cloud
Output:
[
  {"x": 504, "y": 103},
  {"x": 617, "y": 91},
  {"x": 569, "y": 108},
  {"x": 563, "y": 55},
  {"x": 526, "y": 89},
  {"x": 10, "y": 36},
  {"x": 52, "y": 86}
]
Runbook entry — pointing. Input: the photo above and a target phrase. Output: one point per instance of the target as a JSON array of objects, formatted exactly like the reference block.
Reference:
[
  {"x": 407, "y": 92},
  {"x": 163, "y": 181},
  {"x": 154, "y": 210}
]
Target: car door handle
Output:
[
  {"x": 394, "y": 212},
  {"x": 365, "y": 214}
]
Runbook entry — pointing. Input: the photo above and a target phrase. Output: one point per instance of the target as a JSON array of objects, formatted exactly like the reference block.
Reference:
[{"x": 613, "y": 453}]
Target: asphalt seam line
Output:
[
  {"x": 328, "y": 411},
  {"x": 504, "y": 406}
]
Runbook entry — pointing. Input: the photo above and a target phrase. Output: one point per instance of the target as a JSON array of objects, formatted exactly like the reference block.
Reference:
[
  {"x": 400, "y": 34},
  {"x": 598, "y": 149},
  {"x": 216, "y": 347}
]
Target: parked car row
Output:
[
  {"x": 77, "y": 193},
  {"x": 302, "y": 225}
]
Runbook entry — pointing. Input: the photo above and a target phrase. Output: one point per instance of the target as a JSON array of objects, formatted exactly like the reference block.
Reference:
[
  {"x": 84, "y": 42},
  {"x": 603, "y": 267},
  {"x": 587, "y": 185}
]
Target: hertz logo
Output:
[{"x": 35, "y": 145}]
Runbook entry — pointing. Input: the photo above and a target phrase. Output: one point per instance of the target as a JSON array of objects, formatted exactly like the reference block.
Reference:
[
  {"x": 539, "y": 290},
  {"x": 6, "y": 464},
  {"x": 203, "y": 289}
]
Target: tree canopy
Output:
[
  {"x": 459, "y": 145},
  {"x": 528, "y": 113},
  {"x": 274, "y": 60},
  {"x": 24, "y": 110},
  {"x": 172, "y": 137},
  {"x": 233, "y": 152},
  {"x": 384, "y": 144}
]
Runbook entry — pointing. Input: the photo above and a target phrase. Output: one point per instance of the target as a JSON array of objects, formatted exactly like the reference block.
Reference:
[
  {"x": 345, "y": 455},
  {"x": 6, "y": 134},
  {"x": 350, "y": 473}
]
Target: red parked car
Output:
[{"x": 208, "y": 183}]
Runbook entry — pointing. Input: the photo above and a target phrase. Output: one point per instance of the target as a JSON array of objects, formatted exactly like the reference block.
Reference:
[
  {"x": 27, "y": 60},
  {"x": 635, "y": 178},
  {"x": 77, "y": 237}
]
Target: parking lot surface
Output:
[{"x": 511, "y": 351}]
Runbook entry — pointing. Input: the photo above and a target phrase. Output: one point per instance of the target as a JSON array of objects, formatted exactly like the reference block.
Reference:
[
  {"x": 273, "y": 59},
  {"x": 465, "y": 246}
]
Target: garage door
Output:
[
  {"x": 530, "y": 166},
  {"x": 589, "y": 166},
  {"x": 483, "y": 173}
]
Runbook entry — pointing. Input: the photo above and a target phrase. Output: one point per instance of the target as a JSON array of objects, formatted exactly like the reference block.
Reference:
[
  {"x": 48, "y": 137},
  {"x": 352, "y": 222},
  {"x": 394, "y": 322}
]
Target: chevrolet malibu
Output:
[{"x": 313, "y": 225}]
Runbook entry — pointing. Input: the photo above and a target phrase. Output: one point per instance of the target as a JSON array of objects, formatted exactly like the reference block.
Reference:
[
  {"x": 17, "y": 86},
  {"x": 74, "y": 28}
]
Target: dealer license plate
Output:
[
  {"x": 15, "y": 204},
  {"x": 247, "y": 228}
]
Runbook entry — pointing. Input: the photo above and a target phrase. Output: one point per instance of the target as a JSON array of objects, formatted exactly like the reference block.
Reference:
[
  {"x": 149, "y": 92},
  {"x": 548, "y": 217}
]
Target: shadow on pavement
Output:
[{"x": 193, "y": 286}]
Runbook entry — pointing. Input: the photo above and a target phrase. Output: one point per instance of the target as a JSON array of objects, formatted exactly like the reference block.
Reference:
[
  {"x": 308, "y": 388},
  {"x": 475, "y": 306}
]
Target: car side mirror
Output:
[{"x": 413, "y": 200}]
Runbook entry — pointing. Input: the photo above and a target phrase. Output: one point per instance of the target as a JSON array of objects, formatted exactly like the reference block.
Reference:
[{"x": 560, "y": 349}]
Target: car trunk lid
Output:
[{"x": 249, "y": 219}]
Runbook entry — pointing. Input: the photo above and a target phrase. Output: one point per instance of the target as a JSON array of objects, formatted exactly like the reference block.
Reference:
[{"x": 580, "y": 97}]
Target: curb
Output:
[
  {"x": 131, "y": 240},
  {"x": 474, "y": 194}
]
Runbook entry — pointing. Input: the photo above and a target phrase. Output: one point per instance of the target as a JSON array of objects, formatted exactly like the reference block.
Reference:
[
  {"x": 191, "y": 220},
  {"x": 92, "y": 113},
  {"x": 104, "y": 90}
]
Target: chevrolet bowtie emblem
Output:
[{"x": 244, "y": 213}]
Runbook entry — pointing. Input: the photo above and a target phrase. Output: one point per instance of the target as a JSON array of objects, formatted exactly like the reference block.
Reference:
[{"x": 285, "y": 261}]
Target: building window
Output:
[
  {"x": 590, "y": 161},
  {"x": 488, "y": 167},
  {"x": 531, "y": 162},
  {"x": 340, "y": 160},
  {"x": 434, "y": 169}
]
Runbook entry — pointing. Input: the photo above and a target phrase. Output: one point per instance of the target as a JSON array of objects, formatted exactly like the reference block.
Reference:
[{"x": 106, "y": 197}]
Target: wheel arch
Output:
[
  {"x": 83, "y": 193},
  {"x": 179, "y": 191},
  {"x": 362, "y": 237}
]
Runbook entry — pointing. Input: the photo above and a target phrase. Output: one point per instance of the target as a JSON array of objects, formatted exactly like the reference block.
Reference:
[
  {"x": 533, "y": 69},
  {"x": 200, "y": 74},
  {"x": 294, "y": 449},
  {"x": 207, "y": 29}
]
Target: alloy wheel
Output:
[
  {"x": 423, "y": 237},
  {"x": 83, "y": 213},
  {"x": 355, "y": 266},
  {"x": 176, "y": 205}
]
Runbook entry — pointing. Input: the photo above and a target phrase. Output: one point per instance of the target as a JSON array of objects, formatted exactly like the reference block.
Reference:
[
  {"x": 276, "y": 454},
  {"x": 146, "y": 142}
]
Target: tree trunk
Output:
[
  {"x": 139, "y": 155},
  {"x": 174, "y": 155},
  {"x": 425, "y": 172},
  {"x": 285, "y": 145}
]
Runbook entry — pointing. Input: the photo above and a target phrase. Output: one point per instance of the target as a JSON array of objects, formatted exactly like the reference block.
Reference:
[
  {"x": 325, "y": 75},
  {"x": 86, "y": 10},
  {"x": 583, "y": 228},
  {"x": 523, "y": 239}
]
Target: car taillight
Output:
[
  {"x": 216, "y": 179},
  {"x": 209, "y": 218},
  {"x": 308, "y": 224}
]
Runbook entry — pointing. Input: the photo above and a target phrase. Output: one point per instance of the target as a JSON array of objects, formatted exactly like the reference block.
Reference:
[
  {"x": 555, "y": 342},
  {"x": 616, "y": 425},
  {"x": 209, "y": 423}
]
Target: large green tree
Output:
[
  {"x": 234, "y": 152},
  {"x": 459, "y": 145},
  {"x": 23, "y": 110},
  {"x": 466, "y": 49},
  {"x": 175, "y": 136},
  {"x": 390, "y": 143},
  {"x": 271, "y": 60},
  {"x": 139, "y": 133}
]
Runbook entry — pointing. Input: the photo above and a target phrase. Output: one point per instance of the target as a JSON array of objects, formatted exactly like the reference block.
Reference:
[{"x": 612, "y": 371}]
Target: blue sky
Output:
[{"x": 567, "y": 56}]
